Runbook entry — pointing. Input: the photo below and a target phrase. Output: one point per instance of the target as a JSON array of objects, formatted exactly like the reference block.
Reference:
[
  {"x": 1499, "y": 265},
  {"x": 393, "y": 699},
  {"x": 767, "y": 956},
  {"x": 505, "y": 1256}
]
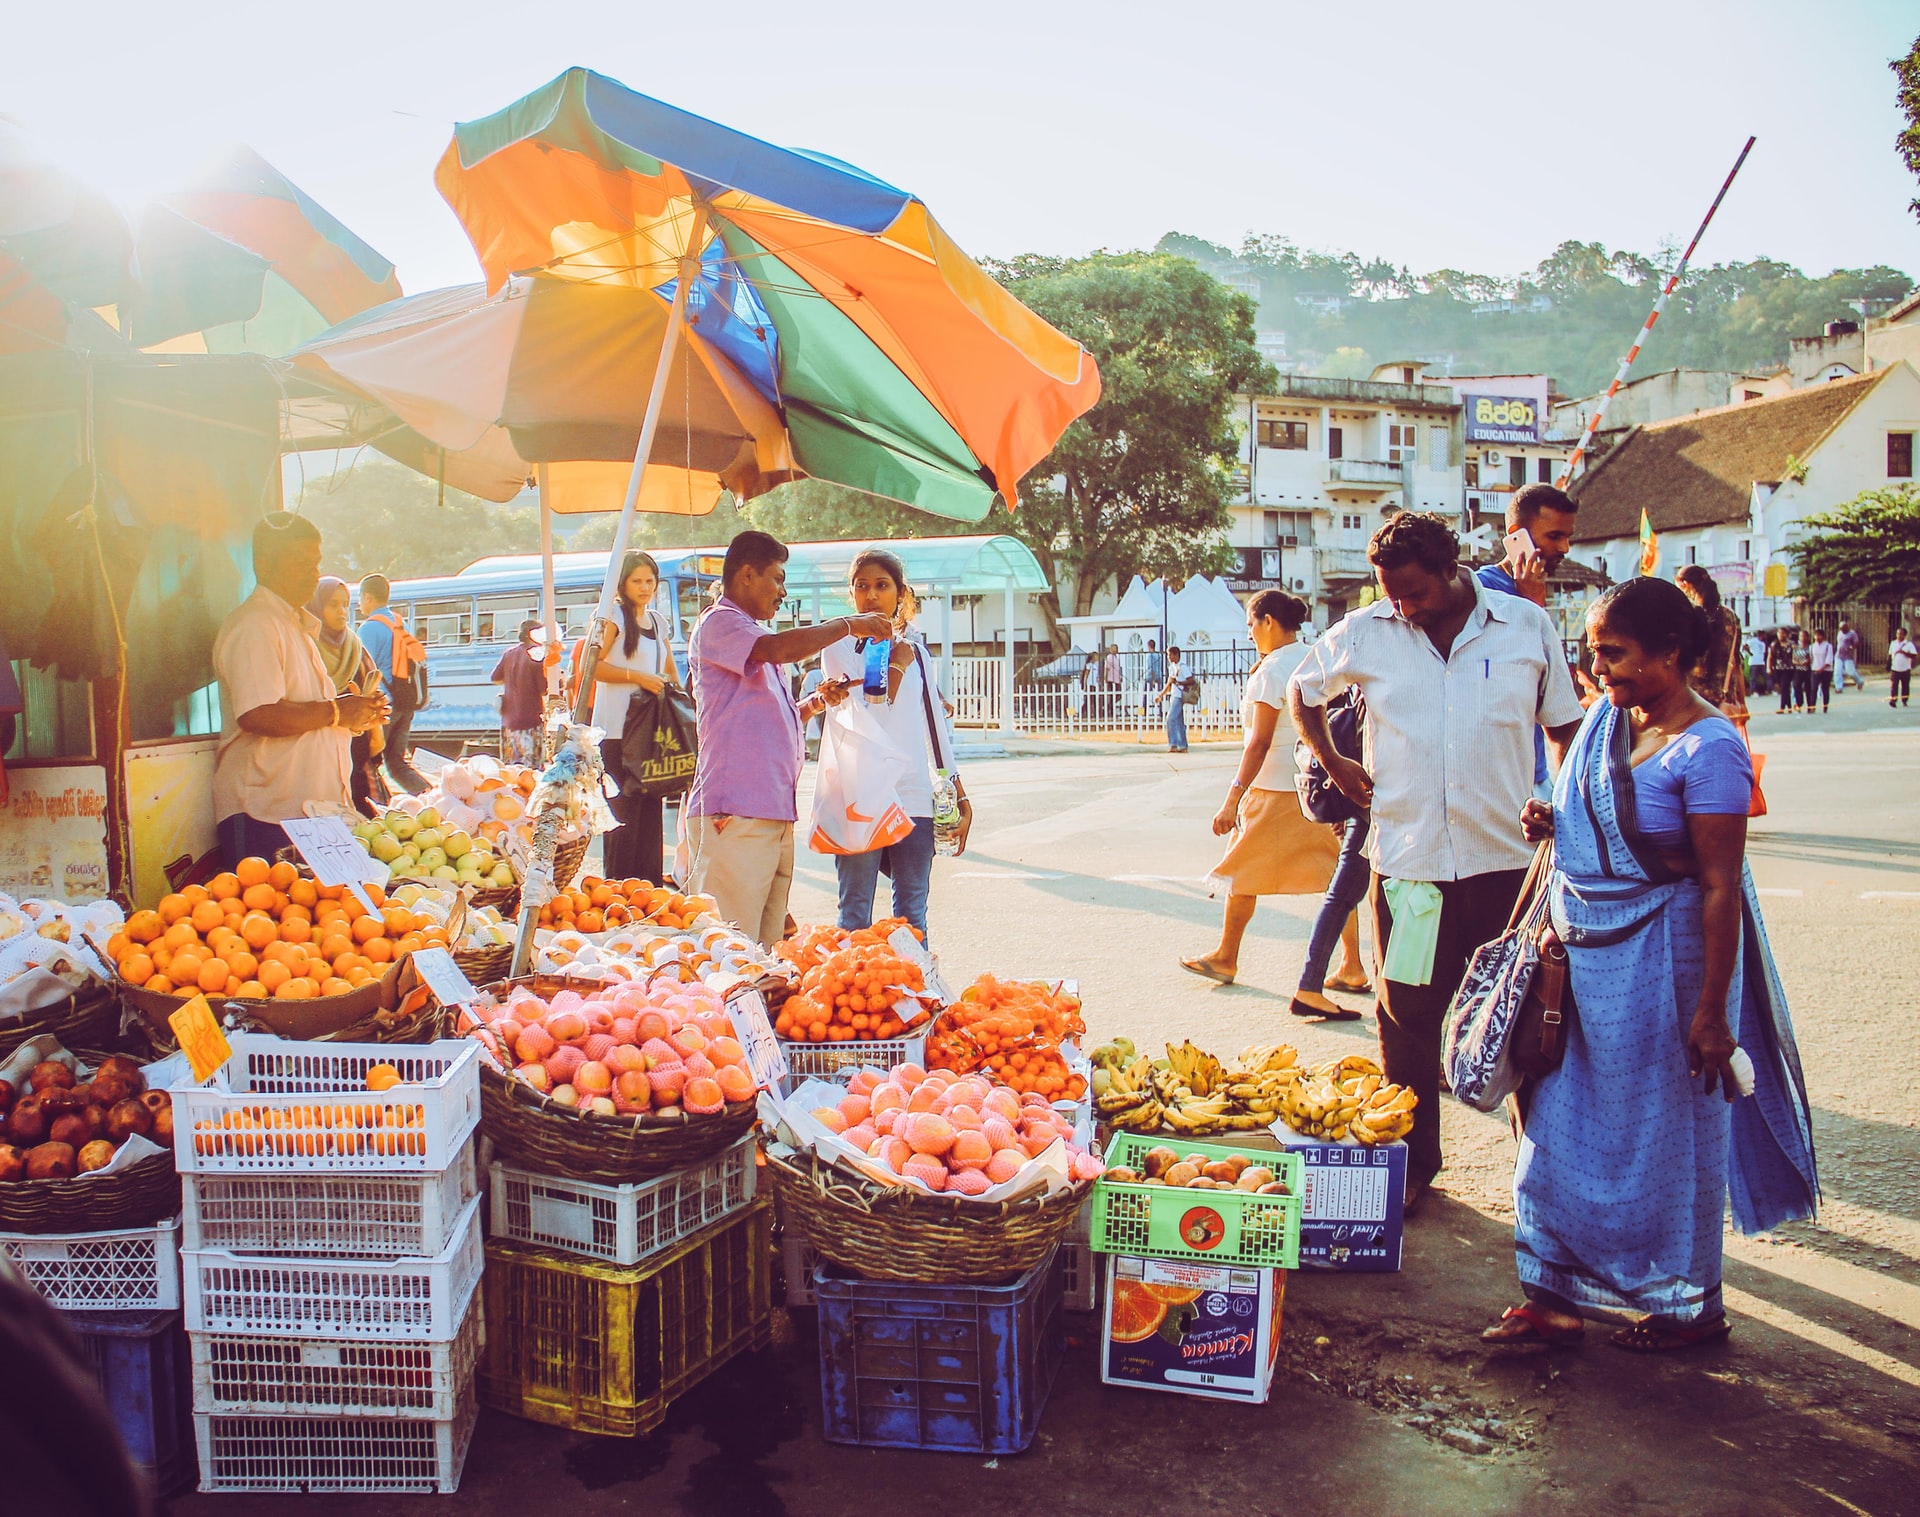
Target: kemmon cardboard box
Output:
[{"x": 1196, "y": 1329}]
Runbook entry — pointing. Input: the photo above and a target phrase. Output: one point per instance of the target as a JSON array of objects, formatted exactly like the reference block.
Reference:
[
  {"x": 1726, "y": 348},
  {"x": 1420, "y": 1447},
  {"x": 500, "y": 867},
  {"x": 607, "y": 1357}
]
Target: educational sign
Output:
[
  {"x": 1502, "y": 418},
  {"x": 53, "y": 832}
]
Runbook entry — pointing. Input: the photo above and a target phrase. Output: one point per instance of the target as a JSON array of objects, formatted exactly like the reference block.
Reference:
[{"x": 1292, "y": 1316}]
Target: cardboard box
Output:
[
  {"x": 1354, "y": 1206},
  {"x": 1195, "y": 1329}
]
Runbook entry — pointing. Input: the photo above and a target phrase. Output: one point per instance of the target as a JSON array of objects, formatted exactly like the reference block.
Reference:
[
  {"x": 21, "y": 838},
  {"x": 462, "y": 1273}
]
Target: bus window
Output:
[
  {"x": 442, "y": 623},
  {"x": 500, "y": 617}
]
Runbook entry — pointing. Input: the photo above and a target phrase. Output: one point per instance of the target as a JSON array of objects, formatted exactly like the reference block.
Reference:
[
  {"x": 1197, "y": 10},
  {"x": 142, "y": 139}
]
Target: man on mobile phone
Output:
[{"x": 1540, "y": 522}]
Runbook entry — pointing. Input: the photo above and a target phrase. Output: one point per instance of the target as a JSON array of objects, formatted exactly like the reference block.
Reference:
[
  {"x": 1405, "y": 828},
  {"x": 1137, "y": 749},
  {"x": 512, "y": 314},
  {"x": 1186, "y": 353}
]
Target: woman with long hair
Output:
[
  {"x": 353, "y": 672},
  {"x": 635, "y": 655},
  {"x": 1719, "y": 676},
  {"x": 1633, "y": 1145},
  {"x": 915, "y": 718},
  {"x": 1276, "y": 849}
]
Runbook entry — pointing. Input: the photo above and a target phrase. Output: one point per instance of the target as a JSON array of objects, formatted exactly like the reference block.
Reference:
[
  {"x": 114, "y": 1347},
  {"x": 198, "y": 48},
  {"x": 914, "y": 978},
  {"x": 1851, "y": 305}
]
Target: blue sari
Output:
[{"x": 1627, "y": 1164}]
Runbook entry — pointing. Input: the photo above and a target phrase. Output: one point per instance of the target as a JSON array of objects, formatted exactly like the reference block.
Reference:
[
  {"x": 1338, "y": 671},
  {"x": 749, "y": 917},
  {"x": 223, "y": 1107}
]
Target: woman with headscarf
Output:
[{"x": 353, "y": 672}]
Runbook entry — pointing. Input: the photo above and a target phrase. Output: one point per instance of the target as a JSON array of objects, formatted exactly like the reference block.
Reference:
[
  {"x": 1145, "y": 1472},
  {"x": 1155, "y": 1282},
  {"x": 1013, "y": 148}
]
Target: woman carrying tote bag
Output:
[{"x": 635, "y": 655}]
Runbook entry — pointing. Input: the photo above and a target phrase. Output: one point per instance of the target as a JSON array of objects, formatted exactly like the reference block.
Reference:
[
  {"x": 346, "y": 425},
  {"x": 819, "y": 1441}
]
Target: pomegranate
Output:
[
  {"x": 50, "y": 1161},
  {"x": 96, "y": 1155},
  {"x": 128, "y": 1118},
  {"x": 28, "y": 1122},
  {"x": 47, "y": 1074},
  {"x": 125, "y": 1071},
  {"x": 70, "y": 1130},
  {"x": 13, "y": 1163},
  {"x": 163, "y": 1125}
]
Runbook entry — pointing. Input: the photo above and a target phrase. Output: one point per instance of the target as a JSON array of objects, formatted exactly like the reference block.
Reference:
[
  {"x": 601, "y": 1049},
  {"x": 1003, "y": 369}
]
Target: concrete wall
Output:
[{"x": 1816, "y": 360}]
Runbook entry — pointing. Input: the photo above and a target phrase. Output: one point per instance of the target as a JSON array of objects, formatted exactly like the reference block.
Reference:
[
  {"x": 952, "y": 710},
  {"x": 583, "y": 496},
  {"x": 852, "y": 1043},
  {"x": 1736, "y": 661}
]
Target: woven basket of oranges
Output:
[{"x": 297, "y": 957}]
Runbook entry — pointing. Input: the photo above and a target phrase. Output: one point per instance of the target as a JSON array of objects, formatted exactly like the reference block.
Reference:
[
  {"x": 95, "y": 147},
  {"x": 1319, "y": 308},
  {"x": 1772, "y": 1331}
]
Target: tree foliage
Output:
[
  {"x": 1867, "y": 550},
  {"x": 1140, "y": 483},
  {"x": 1907, "y": 71},
  {"x": 379, "y": 517},
  {"x": 808, "y": 510}
]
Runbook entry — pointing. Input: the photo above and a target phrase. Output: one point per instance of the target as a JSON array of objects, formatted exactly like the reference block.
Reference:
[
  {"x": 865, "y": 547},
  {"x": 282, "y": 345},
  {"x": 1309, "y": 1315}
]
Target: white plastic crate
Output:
[
  {"x": 620, "y": 1224},
  {"x": 291, "y": 1107},
  {"x": 402, "y": 1455},
  {"x": 311, "y": 1377},
  {"x": 389, "y": 1299},
  {"x": 805, "y": 1060},
  {"x": 1079, "y": 1264},
  {"x": 127, "y": 1269},
  {"x": 796, "y": 1263},
  {"x": 377, "y": 1216}
]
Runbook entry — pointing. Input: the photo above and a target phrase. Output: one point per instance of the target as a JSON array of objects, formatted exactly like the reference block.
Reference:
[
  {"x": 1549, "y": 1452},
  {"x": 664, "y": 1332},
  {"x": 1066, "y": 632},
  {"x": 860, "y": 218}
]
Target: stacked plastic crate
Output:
[
  {"x": 120, "y": 1293},
  {"x": 605, "y": 1302},
  {"x": 331, "y": 1265}
]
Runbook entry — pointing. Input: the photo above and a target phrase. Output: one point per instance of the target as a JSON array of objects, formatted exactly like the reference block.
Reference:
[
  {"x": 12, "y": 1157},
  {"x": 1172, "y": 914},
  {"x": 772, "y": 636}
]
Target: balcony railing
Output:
[
  {"x": 1313, "y": 387},
  {"x": 1343, "y": 563},
  {"x": 1363, "y": 471}
]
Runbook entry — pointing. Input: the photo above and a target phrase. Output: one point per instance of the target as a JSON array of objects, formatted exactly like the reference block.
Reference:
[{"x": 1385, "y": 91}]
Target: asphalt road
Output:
[{"x": 1089, "y": 861}]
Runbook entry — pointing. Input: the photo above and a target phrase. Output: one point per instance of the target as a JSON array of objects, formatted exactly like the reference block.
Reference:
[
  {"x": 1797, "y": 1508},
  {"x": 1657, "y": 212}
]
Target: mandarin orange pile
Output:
[
  {"x": 596, "y": 905},
  {"x": 850, "y": 996},
  {"x": 1012, "y": 1029},
  {"x": 347, "y": 1131},
  {"x": 265, "y": 932},
  {"x": 811, "y": 947}
]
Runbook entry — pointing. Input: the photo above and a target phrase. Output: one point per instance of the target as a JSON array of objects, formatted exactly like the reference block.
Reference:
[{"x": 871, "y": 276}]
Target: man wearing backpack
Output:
[{"x": 403, "y": 668}]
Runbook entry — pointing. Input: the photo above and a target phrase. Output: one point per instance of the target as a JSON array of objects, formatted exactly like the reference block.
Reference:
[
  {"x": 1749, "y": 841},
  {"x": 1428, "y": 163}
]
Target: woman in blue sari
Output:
[{"x": 1633, "y": 1145}]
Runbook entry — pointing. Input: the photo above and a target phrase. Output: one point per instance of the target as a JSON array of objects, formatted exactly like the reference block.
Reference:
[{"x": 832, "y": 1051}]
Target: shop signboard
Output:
[
  {"x": 1510, "y": 419},
  {"x": 53, "y": 832}
]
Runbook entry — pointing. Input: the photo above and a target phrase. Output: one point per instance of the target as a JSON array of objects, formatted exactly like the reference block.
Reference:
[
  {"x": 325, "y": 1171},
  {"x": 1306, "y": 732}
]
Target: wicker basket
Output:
[
  {"x": 140, "y": 1195},
  {"x": 567, "y": 859},
  {"x": 483, "y": 965},
  {"x": 896, "y": 1233},
  {"x": 91, "y": 1015}
]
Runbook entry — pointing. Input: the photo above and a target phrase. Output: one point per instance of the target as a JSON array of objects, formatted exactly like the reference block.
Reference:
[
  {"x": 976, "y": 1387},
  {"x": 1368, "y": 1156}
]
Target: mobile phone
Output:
[{"x": 1519, "y": 541}]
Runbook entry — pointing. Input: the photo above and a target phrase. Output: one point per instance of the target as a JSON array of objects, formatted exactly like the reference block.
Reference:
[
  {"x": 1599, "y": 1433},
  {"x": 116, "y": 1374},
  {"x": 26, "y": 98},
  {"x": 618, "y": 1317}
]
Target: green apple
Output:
[
  {"x": 502, "y": 876},
  {"x": 432, "y": 858},
  {"x": 428, "y": 817},
  {"x": 368, "y": 831},
  {"x": 400, "y": 825},
  {"x": 457, "y": 844},
  {"x": 430, "y": 837},
  {"x": 386, "y": 848},
  {"x": 406, "y": 895},
  {"x": 446, "y": 872}
]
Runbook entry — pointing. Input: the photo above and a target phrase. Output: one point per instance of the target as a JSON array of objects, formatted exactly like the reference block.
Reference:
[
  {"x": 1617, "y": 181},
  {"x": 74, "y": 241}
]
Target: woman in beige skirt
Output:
[{"x": 1275, "y": 849}]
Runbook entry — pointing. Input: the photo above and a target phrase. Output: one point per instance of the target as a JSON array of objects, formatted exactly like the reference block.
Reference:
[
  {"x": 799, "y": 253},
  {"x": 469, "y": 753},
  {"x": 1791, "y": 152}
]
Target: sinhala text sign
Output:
[{"x": 1511, "y": 419}]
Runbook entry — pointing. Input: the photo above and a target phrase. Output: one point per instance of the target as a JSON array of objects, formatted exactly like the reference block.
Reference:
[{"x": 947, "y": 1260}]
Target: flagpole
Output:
[{"x": 1659, "y": 305}]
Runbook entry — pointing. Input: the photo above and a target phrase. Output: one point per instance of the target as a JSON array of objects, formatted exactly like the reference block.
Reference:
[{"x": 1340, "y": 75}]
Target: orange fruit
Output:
[
  {"x": 293, "y": 911},
  {"x": 345, "y": 963},
  {"x": 145, "y": 926},
  {"x": 412, "y": 942},
  {"x": 160, "y": 983},
  {"x": 295, "y": 990},
  {"x": 195, "y": 894},
  {"x": 329, "y": 892},
  {"x": 179, "y": 935},
  {"x": 334, "y": 944},
  {"x": 251, "y": 871},
  {"x": 274, "y": 974},
  {"x": 259, "y": 930},
  {"x": 1136, "y": 1313},
  {"x": 185, "y": 968},
  {"x": 173, "y": 907},
  {"x": 242, "y": 963},
  {"x": 296, "y": 930},
  {"x": 224, "y": 887},
  {"x": 379, "y": 950},
  {"x": 162, "y": 956},
  {"x": 257, "y": 897},
  {"x": 302, "y": 893},
  {"x": 382, "y": 1077},
  {"x": 207, "y": 916},
  {"x": 398, "y": 920},
  {"x": 136, "y": 968},
  {"x": 366, "y": 927},
  {"x": 213, "y": 976},
  {"x": 280, "y": 903},
  {"x": 118, "y": 946},
  {"x": 333, "y": 985},
  {"x": 234, "y": 907},
  {"x": 252, "y": 990},
  {"x": 591, "y": 920},
  {"x": 1173, "y": 1295},
  {"x": 282, "y": 876},
  {"x": 375, "y": 894},
  {"x": 232, "y": 986},
  {"x": 358, "y": 975}
]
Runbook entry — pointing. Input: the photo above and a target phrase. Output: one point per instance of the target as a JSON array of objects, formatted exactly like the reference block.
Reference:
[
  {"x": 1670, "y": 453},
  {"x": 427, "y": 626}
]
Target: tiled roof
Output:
[{"x": 1699, "y": 470}]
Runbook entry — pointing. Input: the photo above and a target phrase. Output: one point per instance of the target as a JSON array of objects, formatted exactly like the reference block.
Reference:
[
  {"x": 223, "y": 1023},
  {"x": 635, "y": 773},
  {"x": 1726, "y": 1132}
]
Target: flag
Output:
[{"x": 1649, "y": 545}]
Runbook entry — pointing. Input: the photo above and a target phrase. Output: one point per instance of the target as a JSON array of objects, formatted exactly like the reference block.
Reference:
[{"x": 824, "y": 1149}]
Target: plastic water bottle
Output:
[
  {"x": 946, "y": 815},
  {"x": 873, "y": 683}
]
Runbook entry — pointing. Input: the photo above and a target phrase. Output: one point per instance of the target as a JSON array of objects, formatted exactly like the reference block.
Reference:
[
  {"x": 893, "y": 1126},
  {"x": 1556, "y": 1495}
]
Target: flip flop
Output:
[
  {"x": 1339, "y": 1013},
  {"x": 1645, "y": 1337},
  {"x": 1206, "y": 971},
  {"x": 1362, "y": 988},
  {"x": 1539, "y": 1331}
]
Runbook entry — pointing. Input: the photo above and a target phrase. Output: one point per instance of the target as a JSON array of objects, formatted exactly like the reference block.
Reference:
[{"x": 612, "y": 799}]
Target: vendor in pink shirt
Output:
[{"x": 739, "y": 815}]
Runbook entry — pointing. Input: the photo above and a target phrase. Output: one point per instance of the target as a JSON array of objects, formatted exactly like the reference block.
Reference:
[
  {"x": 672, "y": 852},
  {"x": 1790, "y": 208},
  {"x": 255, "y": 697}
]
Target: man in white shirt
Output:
[
  {"x": 285, "y": 738},
  {"x": 1456, "y": 678}
]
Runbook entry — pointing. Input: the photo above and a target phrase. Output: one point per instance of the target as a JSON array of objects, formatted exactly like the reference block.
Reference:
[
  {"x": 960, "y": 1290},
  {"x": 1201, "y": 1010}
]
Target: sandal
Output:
[
  {"x": 1649, "y": 1336},
  {"x": 1302, "y": 1008},
  {"x": 1535, "y": 1329},
  {"x": 1351, "y": 987},
  {"x": 1206, "y": 971}
]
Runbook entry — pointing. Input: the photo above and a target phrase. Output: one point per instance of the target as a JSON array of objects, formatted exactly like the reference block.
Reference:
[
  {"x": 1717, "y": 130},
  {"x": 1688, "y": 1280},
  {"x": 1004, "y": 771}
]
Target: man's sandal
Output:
[
  {"x": 1206, "y": 971},
  {"x": 1649, "y": 1336},
  {"x": 1527, "y": 1326}
]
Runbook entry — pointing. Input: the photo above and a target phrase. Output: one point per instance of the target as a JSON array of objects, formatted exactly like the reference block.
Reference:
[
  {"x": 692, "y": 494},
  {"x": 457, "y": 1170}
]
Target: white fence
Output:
[{"x": 1065, "y": 708}]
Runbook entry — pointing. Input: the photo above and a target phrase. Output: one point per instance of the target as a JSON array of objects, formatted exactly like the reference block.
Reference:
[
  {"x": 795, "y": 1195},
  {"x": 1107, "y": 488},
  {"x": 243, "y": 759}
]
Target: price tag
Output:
[
  {"x": 334, "y": 854},
  {"x": 765, "y": 1057},
  {"x": 444, "y": 977},
  {"x": 910, "y": 948},
  {"x": 200, "y": 1038}
]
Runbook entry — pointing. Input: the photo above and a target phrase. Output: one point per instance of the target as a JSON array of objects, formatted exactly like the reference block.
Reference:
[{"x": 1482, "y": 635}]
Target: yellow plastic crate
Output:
[{"x": 601, "y": 1348}]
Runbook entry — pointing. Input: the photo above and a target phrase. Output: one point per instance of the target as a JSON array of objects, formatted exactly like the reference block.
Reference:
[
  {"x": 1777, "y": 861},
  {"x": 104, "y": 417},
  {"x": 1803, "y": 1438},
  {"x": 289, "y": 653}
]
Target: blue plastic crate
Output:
[
  {"x": 140, "y": 1361},
  {"x": 964, "y": 1368}
]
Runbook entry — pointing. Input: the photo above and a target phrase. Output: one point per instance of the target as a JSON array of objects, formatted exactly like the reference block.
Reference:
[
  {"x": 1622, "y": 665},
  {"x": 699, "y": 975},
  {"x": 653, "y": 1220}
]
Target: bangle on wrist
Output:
[{"x": 334, "y": 702}]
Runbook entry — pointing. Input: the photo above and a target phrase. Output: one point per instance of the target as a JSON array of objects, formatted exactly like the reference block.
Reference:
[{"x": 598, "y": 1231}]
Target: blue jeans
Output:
[
  {"x": 909, "y": 861},
  {"x": 1177, "y": 723},
  {"x": 1345, "y": 890}
]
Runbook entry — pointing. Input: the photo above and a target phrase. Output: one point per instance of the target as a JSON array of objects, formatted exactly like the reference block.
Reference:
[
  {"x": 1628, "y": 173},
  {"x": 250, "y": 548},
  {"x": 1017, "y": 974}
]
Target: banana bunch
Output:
[
  {"x": 1124, "y": 1093},
  {"x": 1260, "y": 1078},
  {"x": 1348, "y": 1098},
  {"x": 1197, "y": 1069},
  {"x": 1195, "y": 1095}
]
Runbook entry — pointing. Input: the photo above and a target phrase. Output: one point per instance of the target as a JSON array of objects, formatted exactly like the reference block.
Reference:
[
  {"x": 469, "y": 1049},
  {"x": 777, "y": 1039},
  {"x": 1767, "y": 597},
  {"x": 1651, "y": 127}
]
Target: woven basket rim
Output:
[{"x": 856, "y": 1193}]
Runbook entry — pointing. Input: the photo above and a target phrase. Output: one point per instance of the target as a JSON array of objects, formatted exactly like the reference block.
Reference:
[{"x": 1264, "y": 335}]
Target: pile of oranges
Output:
[
  {"x": 266, "y": 932},
  {"x": 850, "y": 997},
  {"x": 597, "y": 905}
]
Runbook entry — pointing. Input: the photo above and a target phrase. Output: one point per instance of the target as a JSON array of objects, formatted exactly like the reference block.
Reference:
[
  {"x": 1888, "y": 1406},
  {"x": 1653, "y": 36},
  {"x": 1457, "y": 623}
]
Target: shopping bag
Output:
[
  {"x": 1487, "y": 1024},
  {"x": 660, "y": 744},
  {"x": 856, "y": 806}
]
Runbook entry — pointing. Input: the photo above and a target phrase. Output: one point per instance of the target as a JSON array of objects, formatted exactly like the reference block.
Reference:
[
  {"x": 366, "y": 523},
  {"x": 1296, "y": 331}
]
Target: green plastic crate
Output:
[{"x": 1227, "y": 1226}]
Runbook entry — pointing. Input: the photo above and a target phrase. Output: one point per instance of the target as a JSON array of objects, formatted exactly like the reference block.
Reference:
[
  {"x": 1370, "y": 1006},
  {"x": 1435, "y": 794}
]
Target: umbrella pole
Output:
[
  {"x": 543, "y": 752},
  {"x": 603, "y": 612}
]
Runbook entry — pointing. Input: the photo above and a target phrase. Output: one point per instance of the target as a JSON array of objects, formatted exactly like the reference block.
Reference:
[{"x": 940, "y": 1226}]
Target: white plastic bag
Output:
[{"x": 856, "y": 799}]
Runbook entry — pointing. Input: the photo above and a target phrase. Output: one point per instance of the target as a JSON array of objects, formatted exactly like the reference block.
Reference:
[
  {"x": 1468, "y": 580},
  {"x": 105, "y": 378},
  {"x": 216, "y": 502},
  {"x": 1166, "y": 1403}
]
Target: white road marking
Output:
[
  {"x": 1780, "y": 892},
  {"x": 1890, "y": 895},
  {"x": 1001, "y": 874},
  {"x": 1165, "y": 879}
]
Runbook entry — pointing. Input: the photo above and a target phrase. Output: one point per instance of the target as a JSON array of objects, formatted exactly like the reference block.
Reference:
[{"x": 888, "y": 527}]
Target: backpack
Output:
[
  {"x": 409, "y": 664},
  {"x": 1320, "y": 799},
  {"x": 1190, "y": 689}
]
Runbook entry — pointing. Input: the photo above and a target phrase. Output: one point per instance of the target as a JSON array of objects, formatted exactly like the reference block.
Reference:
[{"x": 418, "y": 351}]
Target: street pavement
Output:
[{"x": 1090, "y": 861}]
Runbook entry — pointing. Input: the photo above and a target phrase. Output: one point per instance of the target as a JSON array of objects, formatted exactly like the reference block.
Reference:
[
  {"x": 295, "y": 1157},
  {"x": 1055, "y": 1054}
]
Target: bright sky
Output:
[{"x": 1433, "y": 135}]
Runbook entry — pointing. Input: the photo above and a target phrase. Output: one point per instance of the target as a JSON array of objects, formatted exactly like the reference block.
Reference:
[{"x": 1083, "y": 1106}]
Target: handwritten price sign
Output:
[
  {"x": 765, "y": 1058},
  {"x": 334, "y": 854}
]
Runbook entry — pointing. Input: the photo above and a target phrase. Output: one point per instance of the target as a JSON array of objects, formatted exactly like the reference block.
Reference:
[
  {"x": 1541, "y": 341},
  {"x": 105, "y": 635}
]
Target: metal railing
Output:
[
  {"x": 1364, "y": 471},
  {"x": 1311, "y": 387},
  {"x": 1067, "y": 707}
]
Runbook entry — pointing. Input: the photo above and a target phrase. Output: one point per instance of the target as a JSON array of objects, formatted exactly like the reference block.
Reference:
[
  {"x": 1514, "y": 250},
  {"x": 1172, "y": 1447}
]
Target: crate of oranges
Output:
[
  {"x": 596, "y": 905},
  {"x": 303, "y": 959}
]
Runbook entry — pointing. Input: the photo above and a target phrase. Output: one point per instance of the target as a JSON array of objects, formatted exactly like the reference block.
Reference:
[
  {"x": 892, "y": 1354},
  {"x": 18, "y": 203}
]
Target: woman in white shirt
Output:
[
  {"x": 915, "y": 719},
  {"x": 636, "y": 655},
  {"x": 1275, "y": 850}
]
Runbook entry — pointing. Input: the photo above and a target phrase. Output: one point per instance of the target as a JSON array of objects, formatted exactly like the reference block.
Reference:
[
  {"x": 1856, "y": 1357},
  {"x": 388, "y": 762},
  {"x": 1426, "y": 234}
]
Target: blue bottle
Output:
[{"x": 873, "y": 683}]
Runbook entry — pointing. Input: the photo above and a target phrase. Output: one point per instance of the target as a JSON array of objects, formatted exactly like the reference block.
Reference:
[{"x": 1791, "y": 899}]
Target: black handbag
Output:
[
  {"x": 1320, "y": 799},
  {"x": 660, "y": 744}
]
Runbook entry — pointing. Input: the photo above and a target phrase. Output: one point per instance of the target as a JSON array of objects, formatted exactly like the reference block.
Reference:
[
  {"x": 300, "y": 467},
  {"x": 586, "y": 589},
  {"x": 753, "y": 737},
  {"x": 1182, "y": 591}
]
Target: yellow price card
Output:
[{"x": 200, "y": 1037}]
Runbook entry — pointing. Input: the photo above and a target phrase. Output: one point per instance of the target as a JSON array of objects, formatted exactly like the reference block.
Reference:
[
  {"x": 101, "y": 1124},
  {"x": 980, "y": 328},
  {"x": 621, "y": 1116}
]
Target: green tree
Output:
[
  {"x": 1866, "y": 550},
  {"x": 1907, "y": 71},
  {"x": 379, "y": 517},
  {"x": 1140, "y": 483},
  {"x": 806, "y": 511}
]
